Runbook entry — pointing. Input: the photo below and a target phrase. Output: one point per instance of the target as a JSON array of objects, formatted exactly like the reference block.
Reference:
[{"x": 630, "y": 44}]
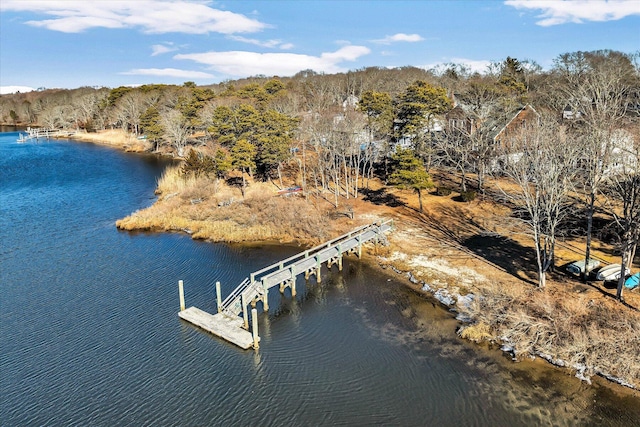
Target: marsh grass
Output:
[
  {"x": 115, "y": 138},
  {"x": 593, "y": 334},
  {"x": 210, "y": 209}
]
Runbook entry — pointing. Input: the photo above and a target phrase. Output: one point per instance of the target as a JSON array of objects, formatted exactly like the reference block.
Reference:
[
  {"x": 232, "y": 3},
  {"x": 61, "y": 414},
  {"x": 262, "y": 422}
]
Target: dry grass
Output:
[
  {"x": 115, "y": 138},
  {"x": 595, "y": 335},
  {"x": 215, "y": 211},
  {"x": 571, "y": 324}
]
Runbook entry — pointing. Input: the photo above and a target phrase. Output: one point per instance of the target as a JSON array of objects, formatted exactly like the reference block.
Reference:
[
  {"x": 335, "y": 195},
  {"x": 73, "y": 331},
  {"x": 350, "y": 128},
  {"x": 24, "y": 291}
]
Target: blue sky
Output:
[{"x": 68, "y": 43}]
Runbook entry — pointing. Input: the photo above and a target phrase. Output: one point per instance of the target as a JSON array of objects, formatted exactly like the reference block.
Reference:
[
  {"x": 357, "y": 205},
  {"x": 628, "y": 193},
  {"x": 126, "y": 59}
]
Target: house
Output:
[
  {"x": 459, "y": 119},
  {"x": 501, "y": 132},
  {"x": 569, "y": 114},
  {"x": 624, "y": 154}
]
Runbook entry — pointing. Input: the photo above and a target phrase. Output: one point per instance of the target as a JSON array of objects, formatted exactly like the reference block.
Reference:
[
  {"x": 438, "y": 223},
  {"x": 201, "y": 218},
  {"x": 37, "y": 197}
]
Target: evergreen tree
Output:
[
  {"x": 409, "y": 173},
  {"x": 150, "y": 124},
  {"x": 416, "y": 109},
  {"x": 243, "y": 156}
]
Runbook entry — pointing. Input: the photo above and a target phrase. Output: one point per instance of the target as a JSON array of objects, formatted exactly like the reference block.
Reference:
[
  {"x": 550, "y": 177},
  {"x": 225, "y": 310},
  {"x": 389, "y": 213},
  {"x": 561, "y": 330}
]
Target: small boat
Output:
[
  {"x": 632, "y": 281},
  {"x": 610, "y": 272},
  {"x": 577, "y": 267}
]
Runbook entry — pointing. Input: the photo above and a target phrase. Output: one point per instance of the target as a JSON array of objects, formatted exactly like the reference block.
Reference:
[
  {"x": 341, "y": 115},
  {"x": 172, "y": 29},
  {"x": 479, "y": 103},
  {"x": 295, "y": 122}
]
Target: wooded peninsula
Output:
[{"x": 496, "y": 181}]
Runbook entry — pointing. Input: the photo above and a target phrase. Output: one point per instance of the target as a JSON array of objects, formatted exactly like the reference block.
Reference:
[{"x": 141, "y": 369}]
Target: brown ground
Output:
[{"x": 473, "y": 236}]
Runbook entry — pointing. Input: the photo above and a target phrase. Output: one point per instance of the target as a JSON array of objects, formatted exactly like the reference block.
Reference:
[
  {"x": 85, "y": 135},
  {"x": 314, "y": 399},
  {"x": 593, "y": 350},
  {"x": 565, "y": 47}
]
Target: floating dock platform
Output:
[{"x": 221, "y": 325}]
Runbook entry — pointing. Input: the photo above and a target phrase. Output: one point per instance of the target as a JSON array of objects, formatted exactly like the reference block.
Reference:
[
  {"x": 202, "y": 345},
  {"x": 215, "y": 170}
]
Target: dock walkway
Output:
[{"x": 229, "y": 325}]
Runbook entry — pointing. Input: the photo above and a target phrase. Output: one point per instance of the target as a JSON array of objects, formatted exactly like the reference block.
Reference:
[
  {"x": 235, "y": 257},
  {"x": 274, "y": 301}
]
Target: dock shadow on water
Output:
[{"x": 90, "y": 334}]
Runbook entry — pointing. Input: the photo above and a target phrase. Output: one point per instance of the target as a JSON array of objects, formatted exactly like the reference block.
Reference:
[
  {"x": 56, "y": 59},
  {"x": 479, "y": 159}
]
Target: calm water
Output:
[{"x": 89, "y": 332}]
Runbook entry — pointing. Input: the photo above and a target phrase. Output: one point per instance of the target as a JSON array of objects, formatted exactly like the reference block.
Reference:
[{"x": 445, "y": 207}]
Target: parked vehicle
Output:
[
  {"x": 577, "y": 267},
  {"x": 610, "y": 272},
  {"x": 632, "y": 281}
]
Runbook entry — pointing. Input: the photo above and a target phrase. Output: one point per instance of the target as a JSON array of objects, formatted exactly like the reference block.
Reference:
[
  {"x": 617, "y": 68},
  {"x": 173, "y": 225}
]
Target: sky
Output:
[{"x": 111, "y": 43}]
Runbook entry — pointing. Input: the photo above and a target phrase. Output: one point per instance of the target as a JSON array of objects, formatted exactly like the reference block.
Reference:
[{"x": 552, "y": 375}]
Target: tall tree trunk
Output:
[
  {"x": 623, "y": 263},
  {"x": 463, "y": 183},
  {"x": 244, "y": 184},
  {"x": 632, "y": 254},
  {"x": 587, "y": 251},
  {"x": 419, "y": 198},
  {"x": 539, "y": 258}
]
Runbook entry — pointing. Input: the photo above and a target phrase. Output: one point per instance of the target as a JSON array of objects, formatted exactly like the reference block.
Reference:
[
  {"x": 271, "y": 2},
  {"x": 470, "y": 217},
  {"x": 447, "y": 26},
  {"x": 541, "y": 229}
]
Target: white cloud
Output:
[
  {"x": 168, "y": 72},
  {"x": 150, "y": 16},
  {"x": 243, "y": 64},
  {"x": 400, "y": 37},
  {"x": 263, "y": 43},
  {"x": 13, "y": 89},
  {"x": 159, "y": 49},
  {"x": 554, "y": 12}
]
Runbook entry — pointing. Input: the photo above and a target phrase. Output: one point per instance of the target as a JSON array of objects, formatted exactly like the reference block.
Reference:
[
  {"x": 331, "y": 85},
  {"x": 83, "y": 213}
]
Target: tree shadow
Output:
[
  {"x": 381, "y": 197},
  {"x": 502, "y": 252},
  {"x": 508, "y": 254}
]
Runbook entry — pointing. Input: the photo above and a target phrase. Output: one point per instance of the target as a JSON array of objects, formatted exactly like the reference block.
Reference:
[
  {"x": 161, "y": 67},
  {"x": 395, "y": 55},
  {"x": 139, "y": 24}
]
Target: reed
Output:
[
  {"x": 210, "y": 209},
  {"x": 115, "y": 138},
  {"x": 591, "y": 333}
]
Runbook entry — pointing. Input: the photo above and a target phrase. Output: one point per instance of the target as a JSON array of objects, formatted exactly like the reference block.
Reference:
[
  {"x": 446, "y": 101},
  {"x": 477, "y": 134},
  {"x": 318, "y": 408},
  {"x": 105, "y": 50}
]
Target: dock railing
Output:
[{"x": 256, "y": 284}]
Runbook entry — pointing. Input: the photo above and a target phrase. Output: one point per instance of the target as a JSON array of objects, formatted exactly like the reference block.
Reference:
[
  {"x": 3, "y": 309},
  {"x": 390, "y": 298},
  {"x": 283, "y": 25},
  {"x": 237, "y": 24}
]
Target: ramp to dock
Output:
[
  {"x": 221, "y": 325},
  {"x": 228, "y": 324}
]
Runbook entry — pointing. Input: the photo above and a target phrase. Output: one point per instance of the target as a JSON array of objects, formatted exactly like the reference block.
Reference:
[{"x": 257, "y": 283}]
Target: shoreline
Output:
[
  {"x": 115, "y": 138},
  {"x": 452, "y": 286}
]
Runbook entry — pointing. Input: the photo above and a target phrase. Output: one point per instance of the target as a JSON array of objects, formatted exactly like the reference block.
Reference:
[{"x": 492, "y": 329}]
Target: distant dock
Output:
[{"x": 45, "y": 133}]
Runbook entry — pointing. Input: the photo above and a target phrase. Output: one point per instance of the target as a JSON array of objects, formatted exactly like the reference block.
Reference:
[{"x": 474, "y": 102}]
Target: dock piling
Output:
[
  {"x": 181, "y": 291},
  {"x": 254, "y": 328},
  {"x": 218, "y": 297}
]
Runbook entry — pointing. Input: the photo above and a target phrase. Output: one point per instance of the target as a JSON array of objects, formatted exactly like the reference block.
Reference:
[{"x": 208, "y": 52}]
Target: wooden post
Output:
[
  {"x": 318, "y": 267},
  {"x": 245, "y": 318},
  {"x": 181, "y": 291},
  {"x": 265, "y": 298},
  {"x": 254, "y": 328},
  {"x": 218, "y": 297},
  {"x": 293, "y": 287}
]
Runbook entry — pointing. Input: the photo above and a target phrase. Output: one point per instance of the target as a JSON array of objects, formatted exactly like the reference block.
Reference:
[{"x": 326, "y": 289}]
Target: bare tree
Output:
[
  {"x": 481, "y": 97},
  {"x": 596, "y": 87},
  {"x": 176, "y": 129},
  {"x": 129, "y": 109},
  {"x": 542, "y": 165},
  {"x": 624, "y": 185}
]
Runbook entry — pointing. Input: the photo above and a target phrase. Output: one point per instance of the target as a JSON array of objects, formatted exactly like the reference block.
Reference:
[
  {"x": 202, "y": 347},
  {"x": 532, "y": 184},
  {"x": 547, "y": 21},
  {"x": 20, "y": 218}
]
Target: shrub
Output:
[
  {"x": 468, "y": 196},
  {"x": 443, "y": 191}
]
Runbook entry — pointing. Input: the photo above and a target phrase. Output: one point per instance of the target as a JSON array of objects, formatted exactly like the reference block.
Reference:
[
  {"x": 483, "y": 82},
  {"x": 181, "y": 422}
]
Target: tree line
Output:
[{"x": 331, "y": 133}]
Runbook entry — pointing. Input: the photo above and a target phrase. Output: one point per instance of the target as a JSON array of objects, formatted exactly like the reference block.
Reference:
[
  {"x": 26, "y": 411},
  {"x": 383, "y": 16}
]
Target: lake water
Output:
[{"x": 90, "y": 336}]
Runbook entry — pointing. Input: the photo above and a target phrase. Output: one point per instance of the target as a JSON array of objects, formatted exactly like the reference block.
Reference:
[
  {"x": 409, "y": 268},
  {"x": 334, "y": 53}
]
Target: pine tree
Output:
[{"x": 409, "y": 173}]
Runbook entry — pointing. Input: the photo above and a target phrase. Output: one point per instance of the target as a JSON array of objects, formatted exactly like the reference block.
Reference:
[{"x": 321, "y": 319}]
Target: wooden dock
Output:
[
  {"x": 228, "y": 324},
  {"x": 37, "y": 133},
  {"x": 221, "y": 325}
]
